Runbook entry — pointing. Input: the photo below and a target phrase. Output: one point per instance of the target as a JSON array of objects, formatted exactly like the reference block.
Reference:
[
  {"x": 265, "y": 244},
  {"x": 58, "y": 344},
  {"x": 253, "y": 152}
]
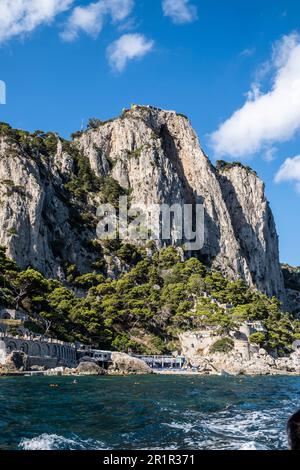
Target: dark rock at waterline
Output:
[
  {"x": 89, "y": 368},
  {"x": 293, "y": 430},
  {"x": 16, "y": 361}
]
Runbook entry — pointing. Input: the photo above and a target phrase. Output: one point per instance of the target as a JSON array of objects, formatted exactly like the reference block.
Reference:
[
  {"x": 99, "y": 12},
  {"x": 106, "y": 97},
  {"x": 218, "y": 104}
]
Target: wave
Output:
[
  {"x": 56, "y": 442},
  {"x": 234, "y": 429}
]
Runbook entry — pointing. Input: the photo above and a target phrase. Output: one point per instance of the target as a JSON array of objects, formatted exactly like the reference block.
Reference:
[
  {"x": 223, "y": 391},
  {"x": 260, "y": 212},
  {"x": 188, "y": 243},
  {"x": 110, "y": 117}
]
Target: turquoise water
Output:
[{"x": 149, "y": 412}]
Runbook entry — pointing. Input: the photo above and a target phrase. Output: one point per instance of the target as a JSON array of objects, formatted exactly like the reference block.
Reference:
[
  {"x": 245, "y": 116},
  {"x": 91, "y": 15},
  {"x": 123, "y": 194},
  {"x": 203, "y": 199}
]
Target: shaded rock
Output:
[
  {"x": 262, "y": 352},
  {"x": 16, "y": 361},
  {"x": 124, "y": 364},
  {"x": 89, "y": 368}
]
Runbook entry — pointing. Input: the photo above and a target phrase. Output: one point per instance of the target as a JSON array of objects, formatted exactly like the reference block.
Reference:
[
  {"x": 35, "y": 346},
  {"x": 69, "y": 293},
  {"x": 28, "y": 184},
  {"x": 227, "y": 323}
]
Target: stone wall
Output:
[
  {"x": 44, "y": 362},
  {"x": 64, "y": 353}
]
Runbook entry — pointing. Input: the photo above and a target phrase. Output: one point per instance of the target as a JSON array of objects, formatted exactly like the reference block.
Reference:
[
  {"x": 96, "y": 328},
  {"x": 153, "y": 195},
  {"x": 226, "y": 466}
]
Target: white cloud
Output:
[
  {"x": 289, "y": 171},
  {"x": 180, "y": 11},
  {"x": 90, "y": 18},
  {"x": 18, "y": 17},
  {"x": 270, "y": 154},
  {"x": 266, "y": 118},
  {"x": 128, "y": 47}
]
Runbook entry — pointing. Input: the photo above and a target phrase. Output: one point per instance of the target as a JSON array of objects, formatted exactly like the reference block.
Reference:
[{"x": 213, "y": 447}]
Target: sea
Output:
[{"x": 146, "y": 412}]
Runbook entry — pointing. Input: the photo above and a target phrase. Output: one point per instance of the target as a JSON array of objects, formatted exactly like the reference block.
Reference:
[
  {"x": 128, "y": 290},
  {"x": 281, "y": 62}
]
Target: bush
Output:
[
  {"x": 129, "y": 254},
  {"x": 257, "y": 338},
  {"x": 94, "y": 123},
  {"x": 223, "y": 345},
  {"x": 84, "y": 179},
  {"x": 111, "y": 191}
]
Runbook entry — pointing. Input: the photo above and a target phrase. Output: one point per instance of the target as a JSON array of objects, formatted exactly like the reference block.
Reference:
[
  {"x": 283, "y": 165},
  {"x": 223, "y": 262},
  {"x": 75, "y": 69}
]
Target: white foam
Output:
[
  {"x": 233, "y": 429},
  {"x": 56, "y": 442},
  {"x": 252, "y": 445}
]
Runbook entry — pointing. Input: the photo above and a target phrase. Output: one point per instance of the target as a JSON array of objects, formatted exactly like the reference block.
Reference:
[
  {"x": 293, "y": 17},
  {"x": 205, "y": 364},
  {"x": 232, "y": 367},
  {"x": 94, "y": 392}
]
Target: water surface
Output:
[{"x": 148, "y": 412}]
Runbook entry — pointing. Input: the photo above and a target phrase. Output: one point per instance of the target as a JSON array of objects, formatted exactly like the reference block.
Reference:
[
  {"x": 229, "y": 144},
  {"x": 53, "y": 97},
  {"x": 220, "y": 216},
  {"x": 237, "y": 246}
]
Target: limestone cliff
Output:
[
  {"x": 38, "y": 224},
  {"x": 156, "y": 154},
  {"x": 291, "y": 276}
]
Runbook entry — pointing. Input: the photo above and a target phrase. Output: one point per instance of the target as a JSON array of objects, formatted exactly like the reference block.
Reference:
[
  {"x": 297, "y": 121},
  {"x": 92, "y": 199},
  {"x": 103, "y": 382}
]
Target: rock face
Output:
[
  {"x": 258, "y": 364},
  {"x": 89, "y": 368},
  {"x": 157, "y": 156},
  {"x": 35, "y": 217},
  {"x": 254, "y": 227},
  {"x": 124, "y": 364},
  {"x": 291, "y": 276},
  {"x": 244, "y": 358},
  {"x": 16, "y": 361}
]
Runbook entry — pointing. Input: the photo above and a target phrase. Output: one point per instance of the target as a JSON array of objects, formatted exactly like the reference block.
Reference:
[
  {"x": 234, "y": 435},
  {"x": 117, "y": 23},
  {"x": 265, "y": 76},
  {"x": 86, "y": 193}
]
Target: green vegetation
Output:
[
  {"x": 291, "y": 276},
  {"x": 183, "y": 116},
  {"x": 36, "y": 144},
  {"x": 12, "y": 188},
  {"x": 12, "y": 232},
  {"x": 145, "y": 308},
  {"x": 223, "y": 165},
  {"x": 223, "y": 345},
  {"x": 83, "y": 180},
  {"x": 111, "y": 191},
  {"x": 257, "y": 338},
  {"x": 94, "y": 123},
  {"x": 136, "y": 153}
]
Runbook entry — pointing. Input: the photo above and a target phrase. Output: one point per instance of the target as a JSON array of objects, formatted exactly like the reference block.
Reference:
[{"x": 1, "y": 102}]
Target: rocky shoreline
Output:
[
  {"x": 243, "y": 358},
  {"x": 260, "y": 364},
  {"x": 121, "y": 364}
]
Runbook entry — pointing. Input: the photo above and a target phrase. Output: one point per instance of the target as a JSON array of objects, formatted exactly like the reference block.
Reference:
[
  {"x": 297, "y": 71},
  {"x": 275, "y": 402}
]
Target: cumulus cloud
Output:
[
  {"x": 18, "y": 17},
  {"x": 270, "y": 154},
  {"x": 128, "y": 47},
  {"x": 289, "y": 171},
  {"x": 266, "y": 118},
  {"x": 180, "y": 11},
  {"x": 90, "y": 19}
]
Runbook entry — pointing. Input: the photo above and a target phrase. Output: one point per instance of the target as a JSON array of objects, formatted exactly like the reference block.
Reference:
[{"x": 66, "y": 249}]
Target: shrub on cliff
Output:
[
  {"x": 223, "y": 345},
  {"x": 257, "y": 338}
]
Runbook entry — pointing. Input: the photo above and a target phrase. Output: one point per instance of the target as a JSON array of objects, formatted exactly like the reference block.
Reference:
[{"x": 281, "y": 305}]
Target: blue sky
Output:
[{"x": 64, "y": 61}]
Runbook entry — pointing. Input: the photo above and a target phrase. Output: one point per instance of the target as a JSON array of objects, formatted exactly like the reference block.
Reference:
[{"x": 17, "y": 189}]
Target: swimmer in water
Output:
[{"x": 75, "y": 381}]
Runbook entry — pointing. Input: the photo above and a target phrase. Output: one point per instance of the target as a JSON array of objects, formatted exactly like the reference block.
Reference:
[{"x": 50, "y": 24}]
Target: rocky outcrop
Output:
[
  {"x": 157, "y": 156},
  {"x": 254, "y": 227},
  {"x": 17, "y": 361},
  {"x": 38, "y": 224},
  {"x": 243, "y": 359},
  {"x": 89, "y": 368},
  {"x": 124, "y": 364},
  {"x": 260, "y": 363},
  {"x": 291, "y": 276}
]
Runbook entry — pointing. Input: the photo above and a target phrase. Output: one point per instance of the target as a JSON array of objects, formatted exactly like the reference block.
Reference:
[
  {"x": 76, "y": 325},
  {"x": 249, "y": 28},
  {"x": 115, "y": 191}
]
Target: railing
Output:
[{"x": 40, "y": 339}]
